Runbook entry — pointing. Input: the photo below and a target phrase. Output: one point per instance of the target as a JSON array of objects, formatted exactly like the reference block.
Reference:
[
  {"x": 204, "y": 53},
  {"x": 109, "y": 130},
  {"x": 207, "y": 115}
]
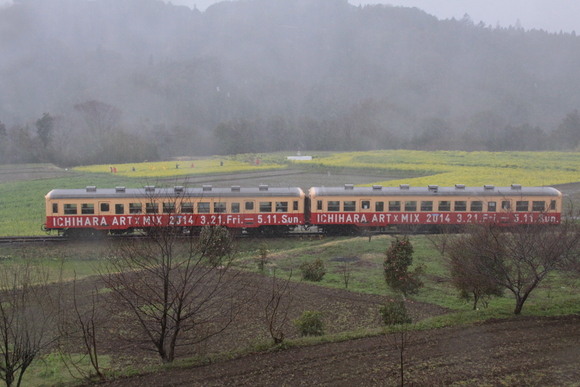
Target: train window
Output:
[
  {"x": 445, "y": 205},
  {"x": 87, "y": 208},
  {"x": 411, "y": 206},
  {"x": 135, "y": 208},
  {"x": 249, "y": 206},
  {"x": 333, "y": 205},
  {"x": 187, "y": 208},
  {"x": 506, "y": 205},
  {"x": 426, "y": 205},
  {"x": 319, "y": 205},
  {"x": 281, "y": 206},
  {"x": 349, "y": 205},
  {"x": 235, "y": 208},
  {"x": 265, "y": 206},
  {"x": 219, "y": 207},
  {"x": 491, "y": 206},
  {"x": 522, "y": 205},
  {"x": 70, "y": 209},
  {"x": 476, "y": 206},
  {"x": 151, "y": 208},
  {"x": 203, "y": 208},
  {"x": 460, "y": 205},
  {"x": 295, "y": 205},
  {"x": 553, "y": 205},
  {"x": 395, "y": 206},
  {"x": 168, "y": 208},
  {"x": 379, "y": 206},
  {"x": 105, "y": 207},
  {"x": 54, "y": 208},
  {"x": 366, "y": 204},
  {"x": 538, "y": 206},
  {"x": 119, "y": 209}
]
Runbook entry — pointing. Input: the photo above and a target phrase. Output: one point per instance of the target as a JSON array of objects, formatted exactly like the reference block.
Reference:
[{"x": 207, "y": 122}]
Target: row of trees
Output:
[
  {"x": 487, "y": 260},
  {"x": 95, "y": 135},
  {"x": 368, "y": 127},
  {"x": 176, "y": 66}
]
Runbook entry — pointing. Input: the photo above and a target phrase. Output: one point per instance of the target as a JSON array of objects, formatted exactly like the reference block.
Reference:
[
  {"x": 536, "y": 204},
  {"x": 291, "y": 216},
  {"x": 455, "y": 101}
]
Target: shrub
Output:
[
  {"x": 215, "y": 243},
  {"x": 263, "y": 256},
  {"x": 313, "y": 271},
  {"x": 394, "y": 312},
  {"x": 398, "y": 259},
  {"x": 310, "y": 324}
]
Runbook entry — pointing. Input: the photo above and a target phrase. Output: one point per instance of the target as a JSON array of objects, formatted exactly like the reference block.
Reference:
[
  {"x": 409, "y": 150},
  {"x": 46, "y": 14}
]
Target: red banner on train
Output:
[
  {"x": 390, "y": 218},
  {"x": 185, "y": 220}
]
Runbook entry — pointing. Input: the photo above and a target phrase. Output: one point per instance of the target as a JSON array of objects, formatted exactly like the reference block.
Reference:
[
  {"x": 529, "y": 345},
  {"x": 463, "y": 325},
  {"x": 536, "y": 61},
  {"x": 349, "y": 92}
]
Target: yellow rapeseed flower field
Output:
[
  {"x": 162, "y": 169},
  {"x": 444, "y": 168}
]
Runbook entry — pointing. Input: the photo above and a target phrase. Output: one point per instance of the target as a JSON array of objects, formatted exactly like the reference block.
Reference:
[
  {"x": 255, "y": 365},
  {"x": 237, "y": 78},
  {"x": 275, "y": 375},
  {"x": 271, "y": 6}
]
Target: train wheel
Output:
[
  {"x": 235, "y": 232},
  {"x": 274, "y": 231},
  {"x": 85, "y": 233},
  {"x": 252, "y": 231},
  {"x": 341, "y": 230}
]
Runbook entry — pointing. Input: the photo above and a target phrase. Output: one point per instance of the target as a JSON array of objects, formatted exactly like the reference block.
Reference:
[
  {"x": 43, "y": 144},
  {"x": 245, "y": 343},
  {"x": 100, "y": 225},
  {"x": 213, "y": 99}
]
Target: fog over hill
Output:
[
  {"x": 262, "y": 75},
  {"x": 549, "y": 15}
]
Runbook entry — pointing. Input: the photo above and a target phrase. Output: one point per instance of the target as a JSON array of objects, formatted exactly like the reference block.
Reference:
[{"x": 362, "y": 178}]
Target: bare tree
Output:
[
  {"x": 476, "y": 287},
  {"x": 440, "y": 239},
  {"x": 99, "y": 117},
  {"x": 80, "y": 324},
  {"x": 173, "y": 290},
  {"x": 44, "y": 128},
  {"x": 401, "y": 339},
  {"x": 517, "y": 259},
  {"x": 345, "y": 271},
  {"x": 278, "y": 306},
  {"x": 27, "y": 319}
]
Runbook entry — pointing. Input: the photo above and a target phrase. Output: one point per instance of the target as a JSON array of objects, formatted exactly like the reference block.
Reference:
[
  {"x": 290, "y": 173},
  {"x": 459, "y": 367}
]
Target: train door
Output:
[{"x": 366, "y": 205}]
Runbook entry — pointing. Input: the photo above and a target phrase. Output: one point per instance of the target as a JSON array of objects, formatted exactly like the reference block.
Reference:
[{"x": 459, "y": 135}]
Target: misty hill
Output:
[{"x": 261, "y": 75}]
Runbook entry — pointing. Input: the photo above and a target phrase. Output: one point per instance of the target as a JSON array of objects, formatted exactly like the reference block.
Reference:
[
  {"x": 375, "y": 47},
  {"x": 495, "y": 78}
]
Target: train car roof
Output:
[
  {"x": 433, "y": 190},
  {"x": 150, "y": 192}
]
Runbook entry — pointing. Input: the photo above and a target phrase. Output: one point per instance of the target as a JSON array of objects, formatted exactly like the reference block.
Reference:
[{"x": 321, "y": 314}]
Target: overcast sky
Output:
[{"x": 550, "y": 15}]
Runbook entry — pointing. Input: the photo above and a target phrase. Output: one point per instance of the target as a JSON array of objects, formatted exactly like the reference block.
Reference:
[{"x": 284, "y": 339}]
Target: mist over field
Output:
[{"x": 131, "y": 80}]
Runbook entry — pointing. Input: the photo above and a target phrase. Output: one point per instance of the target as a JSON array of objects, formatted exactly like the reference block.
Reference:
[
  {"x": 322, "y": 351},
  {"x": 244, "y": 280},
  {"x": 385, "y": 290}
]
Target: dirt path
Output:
[{"x": 525, "y": 351}]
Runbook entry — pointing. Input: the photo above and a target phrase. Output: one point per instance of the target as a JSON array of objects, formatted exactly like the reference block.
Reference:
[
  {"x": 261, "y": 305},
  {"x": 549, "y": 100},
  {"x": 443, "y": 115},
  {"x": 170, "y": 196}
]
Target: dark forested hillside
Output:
[{"x": 262, "y": 75}]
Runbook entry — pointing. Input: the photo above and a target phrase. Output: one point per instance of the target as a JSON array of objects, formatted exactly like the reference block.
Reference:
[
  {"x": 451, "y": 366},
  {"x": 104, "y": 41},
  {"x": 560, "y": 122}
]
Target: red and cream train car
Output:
[
  {"x": 263, "y": 209},
  {"x": 345, "y": 210}
]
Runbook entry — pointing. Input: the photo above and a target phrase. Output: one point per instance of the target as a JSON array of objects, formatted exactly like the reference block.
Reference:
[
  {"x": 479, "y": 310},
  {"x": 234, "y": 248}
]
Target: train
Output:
[{"x": 275, "y": 211}]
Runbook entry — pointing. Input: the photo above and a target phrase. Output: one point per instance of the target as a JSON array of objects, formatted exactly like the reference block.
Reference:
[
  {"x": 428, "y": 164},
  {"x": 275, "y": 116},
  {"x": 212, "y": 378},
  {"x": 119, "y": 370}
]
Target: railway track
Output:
[
  {"x": 47, "y": 239},
  {"x": 33, "y": 239}
]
